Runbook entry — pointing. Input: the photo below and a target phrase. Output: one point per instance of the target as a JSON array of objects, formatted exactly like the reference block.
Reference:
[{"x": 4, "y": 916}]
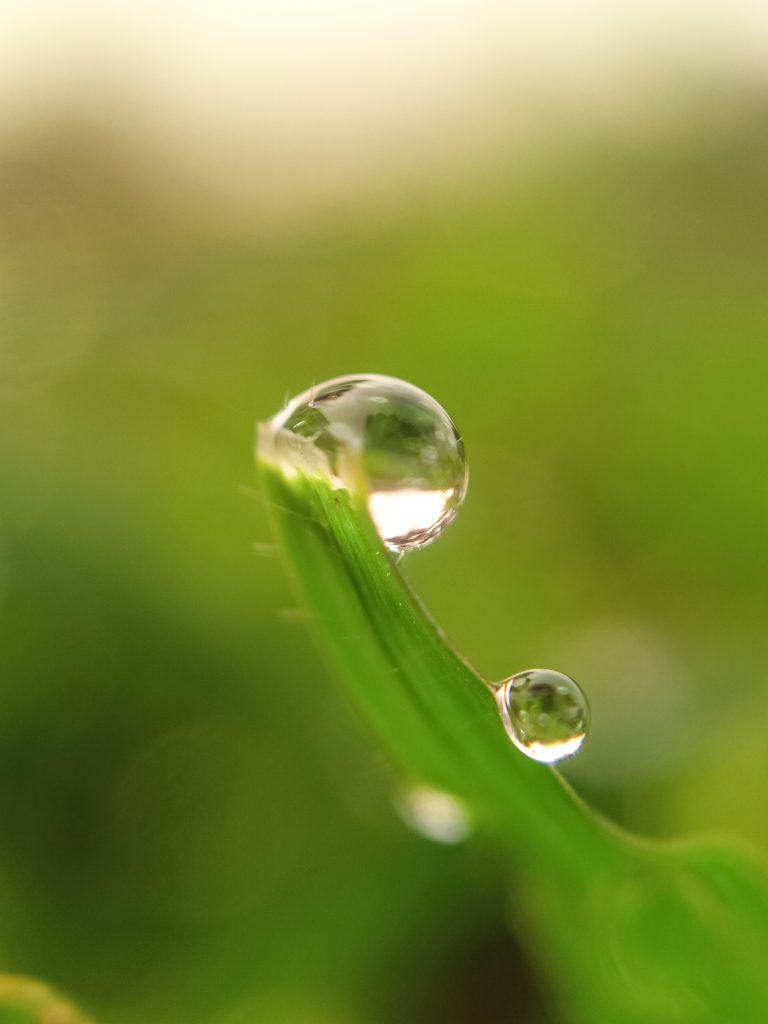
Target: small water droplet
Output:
[
  {"x": 545, "y": 713},
  {"x": 434, "y": 815},
  {"x": 396, "y": 435}
]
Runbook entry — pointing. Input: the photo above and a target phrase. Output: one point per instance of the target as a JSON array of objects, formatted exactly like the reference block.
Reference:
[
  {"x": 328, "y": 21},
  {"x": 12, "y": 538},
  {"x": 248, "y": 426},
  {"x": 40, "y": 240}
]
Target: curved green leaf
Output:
[{"x": 627, "y": 930}]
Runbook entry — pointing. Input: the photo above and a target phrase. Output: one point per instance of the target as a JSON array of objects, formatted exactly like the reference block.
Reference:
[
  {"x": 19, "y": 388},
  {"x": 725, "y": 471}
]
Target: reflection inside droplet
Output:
[
  {"x": 390, "y": 435},
  {"x": 405, "y": 512},
  {"x": 545, "y": 713},
  {"x": 434, "y": 815}
]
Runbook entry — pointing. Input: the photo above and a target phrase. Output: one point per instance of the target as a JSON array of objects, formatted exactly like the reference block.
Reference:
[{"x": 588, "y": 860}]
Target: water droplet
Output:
[
  {"x": 545, "y": 713},
  {"x": 434, "y": 815},
  {"x": 392, "y": 434}
]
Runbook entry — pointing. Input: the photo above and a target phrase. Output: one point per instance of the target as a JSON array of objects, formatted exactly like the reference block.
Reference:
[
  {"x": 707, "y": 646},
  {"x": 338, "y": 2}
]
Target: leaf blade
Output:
[{"x": 583, "y": 876}]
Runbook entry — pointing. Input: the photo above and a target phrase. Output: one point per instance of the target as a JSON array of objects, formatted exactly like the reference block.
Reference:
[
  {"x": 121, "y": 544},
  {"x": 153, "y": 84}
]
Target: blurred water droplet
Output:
[
  {"x": 394, "y": 436},
  {"x": 291, "y": 616},
  {"x": 434, "y": 815},
  {"x": 51, "y": 286},
  {"x": 264, "y": 550},
  {"x": 545, "y": 713}
]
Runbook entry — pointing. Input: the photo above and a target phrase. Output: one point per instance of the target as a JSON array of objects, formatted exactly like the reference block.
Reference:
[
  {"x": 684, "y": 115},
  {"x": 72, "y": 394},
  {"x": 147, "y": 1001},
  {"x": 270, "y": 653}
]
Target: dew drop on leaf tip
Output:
[
  {"x": 545, "y": 713},
  {"x": 390, "y": 435}
]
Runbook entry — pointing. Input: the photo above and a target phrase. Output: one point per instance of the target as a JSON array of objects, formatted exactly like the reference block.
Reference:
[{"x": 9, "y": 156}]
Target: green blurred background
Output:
[{"x": 195, "y": 827}]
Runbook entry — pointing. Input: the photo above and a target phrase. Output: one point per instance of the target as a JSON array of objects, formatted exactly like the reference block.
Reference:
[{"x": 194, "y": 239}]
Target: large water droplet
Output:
[
  {"x": 545, "y": 713},
  {"x": 391, "y": 435}
]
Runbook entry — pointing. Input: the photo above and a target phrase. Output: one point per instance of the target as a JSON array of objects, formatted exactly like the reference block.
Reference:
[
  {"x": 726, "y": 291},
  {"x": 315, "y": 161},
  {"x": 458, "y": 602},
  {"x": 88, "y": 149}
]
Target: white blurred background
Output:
[{"x": 269, "y": 106}]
